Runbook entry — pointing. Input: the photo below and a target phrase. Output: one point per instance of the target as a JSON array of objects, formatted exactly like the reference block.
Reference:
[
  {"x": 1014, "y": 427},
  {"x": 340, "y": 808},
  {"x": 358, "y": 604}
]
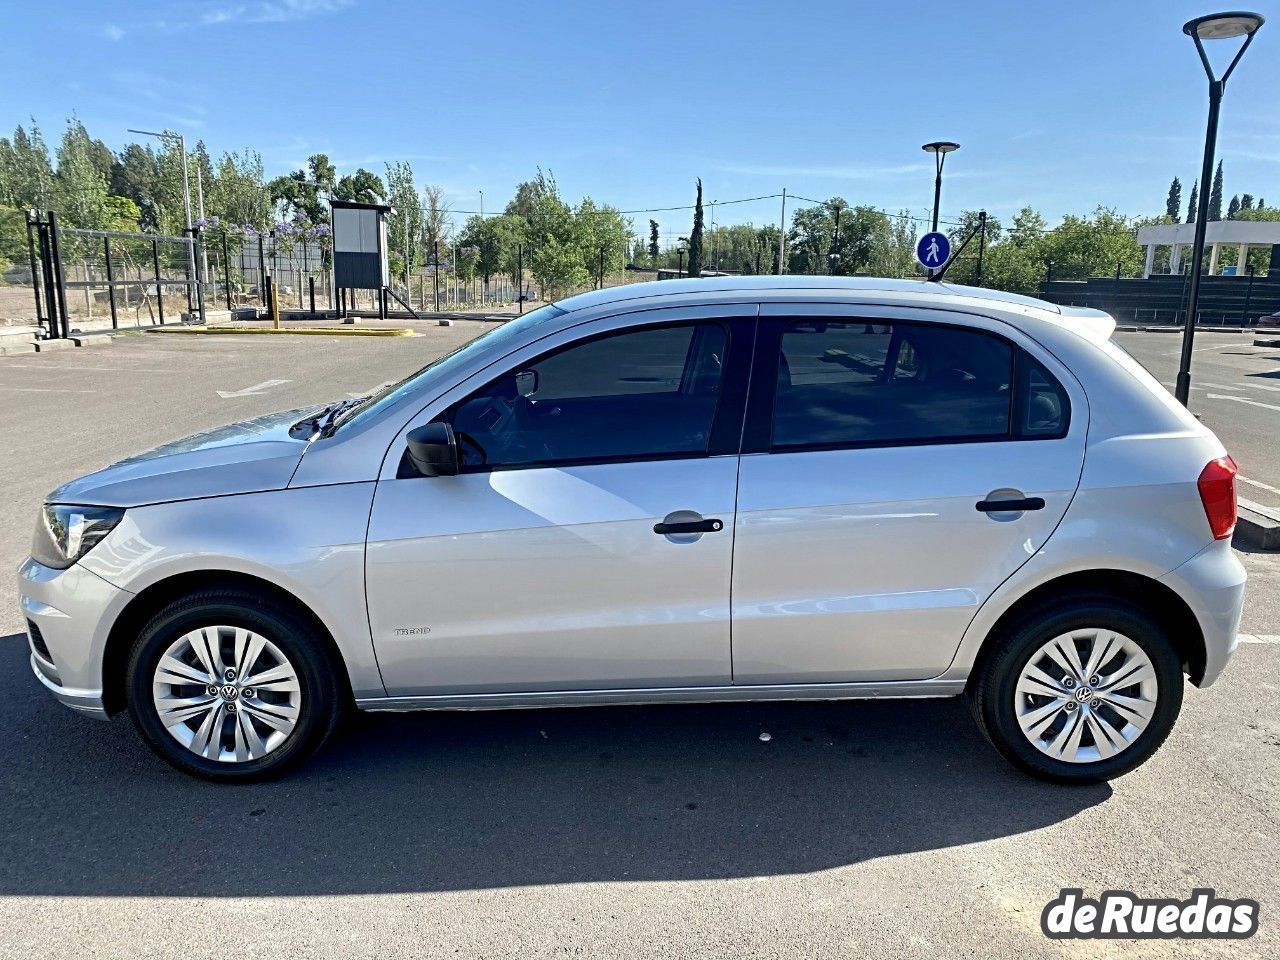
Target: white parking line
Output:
[
  {"x": 1252, "y": 403},
  {"x": 1258, "y": 483},
  {"x": 253, "y": 391},
  {"x": 1255, "y": 386},
  {"x": 1259, "y": 638}
]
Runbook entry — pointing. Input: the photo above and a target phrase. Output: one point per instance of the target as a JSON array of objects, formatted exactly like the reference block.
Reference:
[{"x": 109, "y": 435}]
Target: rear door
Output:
[{"x": 897, "y": 467}]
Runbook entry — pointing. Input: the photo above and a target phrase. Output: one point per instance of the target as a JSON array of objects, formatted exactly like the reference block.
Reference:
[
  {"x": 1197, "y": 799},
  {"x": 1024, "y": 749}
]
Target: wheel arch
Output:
[
  {"x": 1154, "y": 598},
  {"x": 156, "y": 596}
]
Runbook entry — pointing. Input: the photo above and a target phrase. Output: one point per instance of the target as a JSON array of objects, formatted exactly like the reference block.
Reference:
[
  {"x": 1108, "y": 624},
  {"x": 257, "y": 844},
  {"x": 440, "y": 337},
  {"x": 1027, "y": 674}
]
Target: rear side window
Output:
[
  {"x": 1043, "y": 408},
  {"x": 868, "y": 383},
  {"x": 871, "y": 383}
]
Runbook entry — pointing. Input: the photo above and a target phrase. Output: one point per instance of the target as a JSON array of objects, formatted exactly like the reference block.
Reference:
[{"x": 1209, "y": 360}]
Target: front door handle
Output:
[
  {"x": 688, "y": 526},
  {"x": 1011, "y": 506}
]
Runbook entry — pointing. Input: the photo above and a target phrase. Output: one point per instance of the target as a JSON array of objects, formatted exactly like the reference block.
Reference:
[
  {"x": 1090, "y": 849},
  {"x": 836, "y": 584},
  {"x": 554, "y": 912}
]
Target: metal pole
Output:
[
  {"x": 111, "y": 282},
  {"x": 520, "y": 277},
  {"x": 1248, "y": 295},
  {"x": 226, "y": 268},
  {"x": 59, "y": 278},
  {"x": 982, "y": 245},
  {"x": 31, "y": 253},
  {"x": 1182, "y": 390},
  {"x": 311, "y": 288},
  {"x": 679, "y": 264},
  {"x": 155, "y": 262},
  {"x": 600, "y": 285},
  {"x": 782, "y": 235},
  {"x": 939, "y": 159},
  {"x": 435, "y": 272},
  {"x": 50, "y": 286}
]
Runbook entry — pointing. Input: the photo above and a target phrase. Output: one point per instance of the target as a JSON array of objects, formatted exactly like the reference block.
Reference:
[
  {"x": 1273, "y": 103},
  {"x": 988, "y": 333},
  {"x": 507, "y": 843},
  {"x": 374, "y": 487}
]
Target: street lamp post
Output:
[
  {"x": 939, "y": 149},
  {"x": 1215, "y": 26}
]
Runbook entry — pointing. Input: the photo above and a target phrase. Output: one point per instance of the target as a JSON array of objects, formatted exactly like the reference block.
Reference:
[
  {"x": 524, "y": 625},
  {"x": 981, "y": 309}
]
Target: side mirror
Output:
[
  {"x": 433, "y": 450},
  {"x": 527, "y": 383}
]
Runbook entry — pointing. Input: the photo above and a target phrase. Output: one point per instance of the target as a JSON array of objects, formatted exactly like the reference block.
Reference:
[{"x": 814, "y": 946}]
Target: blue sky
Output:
[{"x": 1060, "y": 106}]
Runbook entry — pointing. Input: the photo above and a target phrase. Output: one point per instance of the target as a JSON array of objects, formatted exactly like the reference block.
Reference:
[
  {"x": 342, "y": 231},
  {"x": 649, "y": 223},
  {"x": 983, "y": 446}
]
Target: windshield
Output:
[{"x": 388, "y": 396}]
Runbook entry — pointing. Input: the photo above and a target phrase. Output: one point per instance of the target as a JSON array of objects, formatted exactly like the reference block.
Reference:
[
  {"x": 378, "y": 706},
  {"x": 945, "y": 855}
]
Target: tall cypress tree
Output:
[
  {"x": 1193, "y": 201},
  {"x": 1215, "y": 196},
  {"x": 1233, "y": 207},
  {"x": 1246, "y": 201},
  {"x": 695, "y": 236},
  {"x": 1173, "y": 205},
  {"x": 653, "y": 241}
]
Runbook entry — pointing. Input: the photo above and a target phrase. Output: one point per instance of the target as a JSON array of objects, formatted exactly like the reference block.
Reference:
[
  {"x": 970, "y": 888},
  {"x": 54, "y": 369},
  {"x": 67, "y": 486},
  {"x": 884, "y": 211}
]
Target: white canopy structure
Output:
[{"x": 1241, "y": 234}]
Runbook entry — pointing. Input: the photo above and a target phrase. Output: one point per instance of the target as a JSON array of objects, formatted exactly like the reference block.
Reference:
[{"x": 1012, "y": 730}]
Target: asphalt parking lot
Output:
[{"x": 857, "y": 829}]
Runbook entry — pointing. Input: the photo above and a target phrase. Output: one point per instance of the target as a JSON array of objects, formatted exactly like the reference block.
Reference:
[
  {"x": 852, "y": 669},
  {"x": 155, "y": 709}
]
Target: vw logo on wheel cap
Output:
[{"x": 229, "y": 691}]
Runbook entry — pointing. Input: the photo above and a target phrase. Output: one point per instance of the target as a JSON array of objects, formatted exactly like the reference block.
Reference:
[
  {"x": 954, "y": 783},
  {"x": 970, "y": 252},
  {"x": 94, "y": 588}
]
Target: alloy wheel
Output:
[
  {"x": 1086, "y": 695},
  {"x": 227, "y": 694}
]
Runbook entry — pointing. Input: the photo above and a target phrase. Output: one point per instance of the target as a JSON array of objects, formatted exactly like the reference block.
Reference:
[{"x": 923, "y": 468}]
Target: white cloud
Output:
[
  {"x": 112, "y": 32},
  {"x": 273, "y": 11}
]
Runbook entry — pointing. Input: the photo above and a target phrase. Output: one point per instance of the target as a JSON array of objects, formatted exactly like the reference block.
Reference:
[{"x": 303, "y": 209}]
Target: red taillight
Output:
[{"x": 1217, "y": 485}]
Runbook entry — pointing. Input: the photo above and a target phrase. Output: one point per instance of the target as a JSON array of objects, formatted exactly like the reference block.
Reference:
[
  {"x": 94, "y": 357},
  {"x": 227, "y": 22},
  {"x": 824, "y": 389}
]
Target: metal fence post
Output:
[
  {"x": 155, "y": 261},
  {"x": 59, "y": 279},
  {"x": 311, "y": 289},
  {"x": 226, "y": 268},
  {"x": 111, "y": 282},
  {"x": 31, "y": 253}
]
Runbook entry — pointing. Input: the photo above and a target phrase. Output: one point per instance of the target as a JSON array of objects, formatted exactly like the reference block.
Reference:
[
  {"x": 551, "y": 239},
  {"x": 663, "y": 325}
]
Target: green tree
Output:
[
  {"x": 1093, "y": 246},
  {"x": 239, "y": 194},
  {"x": 595, "y": 229},
  {"x": 80, "y": 189},
  {"x": 1215, "y": 196},
  {"x": 360, "y": 187},
  {"x": 405, "y": 226},
  {"x": 653, "y": 242},
  {"x": 121, "y": 214},
  {"x": 1233, "y": 207},
  {"x": 26, "y": 174},
  {"x": 1246, "y": 201},
  {"x": 1173, "y": 204},
  {"x": 1193, "y": 202},
  {"x": 694, "y": 258}
]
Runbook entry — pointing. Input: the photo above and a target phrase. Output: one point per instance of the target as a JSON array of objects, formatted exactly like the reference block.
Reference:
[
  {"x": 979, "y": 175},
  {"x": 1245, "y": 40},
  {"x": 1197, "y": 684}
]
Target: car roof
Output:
[
  {"x": 1093, "y": 325},
  {"x": 765, "y": 284}
]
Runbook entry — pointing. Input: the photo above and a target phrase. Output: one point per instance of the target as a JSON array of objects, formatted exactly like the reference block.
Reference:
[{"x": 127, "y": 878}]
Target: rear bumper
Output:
[
  {"x": 69, "y": 614},
  {"x": 1212, "y": 583}
]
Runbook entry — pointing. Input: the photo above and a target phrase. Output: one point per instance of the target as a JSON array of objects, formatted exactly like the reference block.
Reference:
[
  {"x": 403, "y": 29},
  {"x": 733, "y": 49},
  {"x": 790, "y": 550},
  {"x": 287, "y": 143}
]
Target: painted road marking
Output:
[
  {"x": 266, "y": 385},
  {"x": 1259, "y": 638},
  {"x": 1258, "y": 483},
  {"x": 1255, "y": 386},
  {"x": 1252, "y": 403},
  {"x": 44, "y": 390}
]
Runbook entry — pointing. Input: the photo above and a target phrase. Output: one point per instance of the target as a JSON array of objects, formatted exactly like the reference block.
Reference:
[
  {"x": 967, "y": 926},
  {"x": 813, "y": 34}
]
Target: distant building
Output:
[{"x": 1242, "y": 234}]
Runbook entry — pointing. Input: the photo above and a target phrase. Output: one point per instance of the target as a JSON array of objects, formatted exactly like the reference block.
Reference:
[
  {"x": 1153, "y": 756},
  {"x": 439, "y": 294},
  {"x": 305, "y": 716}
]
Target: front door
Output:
[
  {"x": 895, "y": 472},
  {"x": 587, "y": 542}
]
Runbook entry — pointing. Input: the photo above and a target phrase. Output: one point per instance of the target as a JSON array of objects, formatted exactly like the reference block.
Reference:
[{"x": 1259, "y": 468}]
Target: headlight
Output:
[{"x": 66, "y": 532}]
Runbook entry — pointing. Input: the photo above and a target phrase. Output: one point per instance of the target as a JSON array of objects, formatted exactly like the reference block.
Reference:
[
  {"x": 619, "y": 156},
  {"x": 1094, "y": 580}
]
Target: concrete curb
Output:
[
  {"x": 1257, "y": 526},
  {"x": 289, "y": 331}
]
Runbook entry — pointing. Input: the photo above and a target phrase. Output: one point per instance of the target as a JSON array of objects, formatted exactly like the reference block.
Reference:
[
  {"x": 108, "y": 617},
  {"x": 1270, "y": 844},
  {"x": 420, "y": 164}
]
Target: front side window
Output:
[
  {"x": 854, "y": 383},
  {"x": 639, "y": 394}
]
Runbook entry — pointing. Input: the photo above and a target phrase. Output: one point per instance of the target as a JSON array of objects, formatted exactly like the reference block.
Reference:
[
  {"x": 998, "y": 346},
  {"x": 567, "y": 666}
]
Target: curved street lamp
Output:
[
  {"x": 1215, "y": 26},
  {"x": 939, "y": 149}
]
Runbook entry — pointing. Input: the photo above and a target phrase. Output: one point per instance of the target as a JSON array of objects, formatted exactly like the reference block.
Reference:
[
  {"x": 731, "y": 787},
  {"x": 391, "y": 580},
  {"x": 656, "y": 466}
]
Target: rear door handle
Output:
[
  {"x": 689, "y": 526},
  {"x": 1011, "y": 506}
]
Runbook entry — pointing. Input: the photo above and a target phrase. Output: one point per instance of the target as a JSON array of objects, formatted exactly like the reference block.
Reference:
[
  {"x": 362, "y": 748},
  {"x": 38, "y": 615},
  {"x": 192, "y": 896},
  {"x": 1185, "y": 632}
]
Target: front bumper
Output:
[
  {"x": 1212, "y": 583},
  {"x": 69, "y": 614}
]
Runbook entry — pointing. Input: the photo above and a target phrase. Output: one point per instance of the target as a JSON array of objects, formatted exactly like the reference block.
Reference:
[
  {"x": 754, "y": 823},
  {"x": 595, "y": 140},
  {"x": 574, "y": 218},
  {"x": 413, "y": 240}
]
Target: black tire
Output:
[
  {"x": 322, "y": 694},
  {"x": 992, "y": 690}
]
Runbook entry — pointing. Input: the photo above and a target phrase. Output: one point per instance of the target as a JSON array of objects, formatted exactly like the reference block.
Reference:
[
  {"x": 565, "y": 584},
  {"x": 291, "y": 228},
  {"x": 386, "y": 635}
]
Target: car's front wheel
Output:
[
  {"x": 1083, "y": 691},
  {"x": 228, "y": 685}
]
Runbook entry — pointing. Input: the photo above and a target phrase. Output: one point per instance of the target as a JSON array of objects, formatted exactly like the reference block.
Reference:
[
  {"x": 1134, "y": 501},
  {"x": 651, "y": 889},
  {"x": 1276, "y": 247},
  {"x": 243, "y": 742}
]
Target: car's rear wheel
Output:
[
  {"x": 1083, "y": 691},
  {"x": 232, "y": 686}
]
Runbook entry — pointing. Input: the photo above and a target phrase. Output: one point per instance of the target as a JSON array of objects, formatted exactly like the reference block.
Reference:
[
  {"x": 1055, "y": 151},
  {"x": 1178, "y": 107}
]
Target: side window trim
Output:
[
  {"x": 726, "y": 421},
  {"x": 758, "y": 422}
]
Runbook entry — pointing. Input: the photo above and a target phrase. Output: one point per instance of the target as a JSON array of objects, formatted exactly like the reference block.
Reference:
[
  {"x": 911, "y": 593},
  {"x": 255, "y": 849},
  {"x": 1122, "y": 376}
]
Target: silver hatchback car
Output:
[{"x": 704, "y": 490}]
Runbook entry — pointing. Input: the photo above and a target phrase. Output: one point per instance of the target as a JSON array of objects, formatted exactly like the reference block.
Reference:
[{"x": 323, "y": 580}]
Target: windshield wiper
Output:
[
  {"x": 323, "y": 419},
  {"x": 333, "y": 413}
]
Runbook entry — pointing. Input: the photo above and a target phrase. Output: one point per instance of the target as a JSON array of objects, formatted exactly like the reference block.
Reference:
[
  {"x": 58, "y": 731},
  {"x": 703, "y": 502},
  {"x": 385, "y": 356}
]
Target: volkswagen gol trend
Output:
[{"x": 704, "y": 490}]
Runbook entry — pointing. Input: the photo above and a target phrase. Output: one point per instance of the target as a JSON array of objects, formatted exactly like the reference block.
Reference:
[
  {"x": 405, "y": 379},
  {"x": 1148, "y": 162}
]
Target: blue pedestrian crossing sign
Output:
[{"x": 933, "y": 250}]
